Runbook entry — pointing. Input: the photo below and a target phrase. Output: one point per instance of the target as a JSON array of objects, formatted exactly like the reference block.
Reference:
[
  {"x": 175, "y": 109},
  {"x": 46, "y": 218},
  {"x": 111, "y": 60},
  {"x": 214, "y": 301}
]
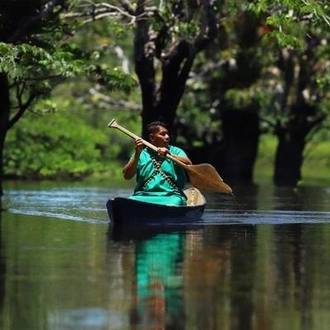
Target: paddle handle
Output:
[{"x": 114, "y": 124}]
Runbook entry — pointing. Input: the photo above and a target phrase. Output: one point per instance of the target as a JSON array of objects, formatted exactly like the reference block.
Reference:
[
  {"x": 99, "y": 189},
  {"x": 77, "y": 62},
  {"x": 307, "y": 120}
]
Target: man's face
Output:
[{"x": 161, "y": 138}]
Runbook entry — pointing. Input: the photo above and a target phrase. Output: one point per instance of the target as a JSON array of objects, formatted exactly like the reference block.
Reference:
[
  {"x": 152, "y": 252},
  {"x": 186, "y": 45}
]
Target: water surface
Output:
[{"x": 258, "y": 260}]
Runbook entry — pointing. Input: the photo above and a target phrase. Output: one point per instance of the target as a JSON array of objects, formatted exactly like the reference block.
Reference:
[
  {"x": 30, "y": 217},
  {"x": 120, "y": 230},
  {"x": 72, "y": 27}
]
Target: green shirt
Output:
[{"x": 159, "y": 179}]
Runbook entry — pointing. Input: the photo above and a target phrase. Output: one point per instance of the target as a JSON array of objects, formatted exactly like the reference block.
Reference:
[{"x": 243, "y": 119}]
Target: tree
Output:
[
  {"x": 167, "y": 40},
  {"x": 37, "y": 55},
  {"x": 267, "y": 72},
  {"x": 225, "y": 89},
  {"x": 300, "y": 97}
]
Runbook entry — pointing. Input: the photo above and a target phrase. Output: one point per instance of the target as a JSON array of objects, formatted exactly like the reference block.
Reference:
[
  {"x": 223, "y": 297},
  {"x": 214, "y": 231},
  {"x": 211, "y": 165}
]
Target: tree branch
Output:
[
  {"x": 47, "y": 8},
  {"x": 22, "y": 106}
]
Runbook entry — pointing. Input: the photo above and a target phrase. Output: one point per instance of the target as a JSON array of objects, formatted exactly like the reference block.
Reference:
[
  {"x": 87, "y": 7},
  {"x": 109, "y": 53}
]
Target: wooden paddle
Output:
[{"x": 201, "y": 176}]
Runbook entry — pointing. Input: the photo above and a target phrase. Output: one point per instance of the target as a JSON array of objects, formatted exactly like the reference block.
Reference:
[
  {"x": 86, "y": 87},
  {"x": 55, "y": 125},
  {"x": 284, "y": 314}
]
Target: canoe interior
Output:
[{"x": 128, "y": 211}]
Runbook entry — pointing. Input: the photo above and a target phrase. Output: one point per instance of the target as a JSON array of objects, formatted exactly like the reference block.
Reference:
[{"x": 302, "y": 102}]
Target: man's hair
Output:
[{"x": 154, "y": 126}]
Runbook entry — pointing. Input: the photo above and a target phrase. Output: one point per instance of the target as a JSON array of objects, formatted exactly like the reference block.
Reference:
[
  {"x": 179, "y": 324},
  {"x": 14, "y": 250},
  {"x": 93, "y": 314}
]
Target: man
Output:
[{"x": 159, "y": 179}]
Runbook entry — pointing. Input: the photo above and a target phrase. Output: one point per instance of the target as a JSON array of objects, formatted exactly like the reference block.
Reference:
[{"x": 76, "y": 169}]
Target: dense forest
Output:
[{"x": 221, "y": 74}]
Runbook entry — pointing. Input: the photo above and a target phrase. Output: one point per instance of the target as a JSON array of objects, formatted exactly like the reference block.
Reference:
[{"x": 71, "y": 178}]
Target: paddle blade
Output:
[{"x": 206, "y": 177}]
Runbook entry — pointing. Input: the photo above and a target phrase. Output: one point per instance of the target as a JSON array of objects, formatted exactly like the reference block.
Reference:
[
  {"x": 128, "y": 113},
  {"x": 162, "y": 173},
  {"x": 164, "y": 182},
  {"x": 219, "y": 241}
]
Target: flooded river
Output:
[{"x": 258, "y": 260}]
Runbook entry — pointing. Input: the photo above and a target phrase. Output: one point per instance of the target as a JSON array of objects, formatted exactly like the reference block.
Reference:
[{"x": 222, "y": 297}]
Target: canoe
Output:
[
  {"x": 123, "y": 210},
  {"x": 138, "y": 232}
]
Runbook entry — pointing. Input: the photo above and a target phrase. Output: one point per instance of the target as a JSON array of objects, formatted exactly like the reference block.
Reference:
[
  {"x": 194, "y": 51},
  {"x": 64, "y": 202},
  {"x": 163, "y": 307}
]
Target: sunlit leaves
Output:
[
  {"x": 61, "y": 151},
  {"x": 280, "y": 39},
  {"x": 291, "y": 20}
]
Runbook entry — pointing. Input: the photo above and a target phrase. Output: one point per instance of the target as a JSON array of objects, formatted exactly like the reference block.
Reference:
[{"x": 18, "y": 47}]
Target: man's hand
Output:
[
  {"x": 139, "y": 145},
  {"x": 162, "y": 152}
]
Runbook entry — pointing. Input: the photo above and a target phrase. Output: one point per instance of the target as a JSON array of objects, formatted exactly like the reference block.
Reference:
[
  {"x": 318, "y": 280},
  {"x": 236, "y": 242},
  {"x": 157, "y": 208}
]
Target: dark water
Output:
[{"x": 260, "y": 260}]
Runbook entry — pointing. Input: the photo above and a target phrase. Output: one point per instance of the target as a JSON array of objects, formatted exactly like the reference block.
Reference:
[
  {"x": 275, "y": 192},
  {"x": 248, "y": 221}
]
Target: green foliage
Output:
[
  {"x": 239, "y": 98},
  {"x": 76, "y": 142},
  {"x": 116, "y": 79},
  {"x": 266, "y": 155},
  {"x": 197, "y": 120},
  {"x": 21, "y": 59},
  {"x": 59, "y": 145},
  {"x": 317, "y": 157},
  {"x": 49, "y": 48},
  {"x": 53, "y": 51},
  {"x": 65, "y": 137},
  {"x": 24, "y": 60},
  {"x": 283, "y": 40},
  {"x": 289, "y": 21}
]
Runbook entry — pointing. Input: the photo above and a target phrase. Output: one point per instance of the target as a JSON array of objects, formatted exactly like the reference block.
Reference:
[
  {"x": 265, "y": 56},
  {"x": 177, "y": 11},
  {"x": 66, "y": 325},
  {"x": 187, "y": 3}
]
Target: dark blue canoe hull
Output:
[{"x": 128, "y": 211}]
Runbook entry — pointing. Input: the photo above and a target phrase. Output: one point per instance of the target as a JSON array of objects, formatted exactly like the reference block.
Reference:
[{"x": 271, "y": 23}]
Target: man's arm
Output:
[
  {"x": 129, "y": 169},
  {"x": 184, "y": 160},
  {"x": 182, "y": 157}
]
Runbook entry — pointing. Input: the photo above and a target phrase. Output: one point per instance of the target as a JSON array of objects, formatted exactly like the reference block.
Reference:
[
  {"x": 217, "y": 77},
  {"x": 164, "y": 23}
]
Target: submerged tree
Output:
[
  {"x": 267, "y": 72},
  {"x": 297, "y": 81}
]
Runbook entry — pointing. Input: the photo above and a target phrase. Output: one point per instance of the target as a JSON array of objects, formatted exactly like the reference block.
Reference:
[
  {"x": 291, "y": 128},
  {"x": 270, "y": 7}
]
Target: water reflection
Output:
[
  {"x": 253, "y": 205},
  {"x": 232, "y": 277},
  {"x": 74, "y": 204},
  {"x": 84, "y": 319},
  {"x": 158, "y": 281},
  {"x": 259, "y": 260}
]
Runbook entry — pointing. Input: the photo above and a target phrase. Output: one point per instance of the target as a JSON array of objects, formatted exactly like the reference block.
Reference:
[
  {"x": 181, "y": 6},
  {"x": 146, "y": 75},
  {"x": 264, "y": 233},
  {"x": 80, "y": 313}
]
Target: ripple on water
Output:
[
  {"x": 87, "y": 204},
  {"x": 75, "y": 204},
  {"x": 214, "y": 217}
]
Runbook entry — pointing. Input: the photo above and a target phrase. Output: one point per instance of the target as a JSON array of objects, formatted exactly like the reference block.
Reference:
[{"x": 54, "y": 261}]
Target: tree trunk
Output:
[
  {"x": 163, "y": 60},
  {"x": 4, "y": 121},
  {"x": 241, "y": 138},
  {"x": 161, "y": 103},
  {"x": 289, "y": 157}
]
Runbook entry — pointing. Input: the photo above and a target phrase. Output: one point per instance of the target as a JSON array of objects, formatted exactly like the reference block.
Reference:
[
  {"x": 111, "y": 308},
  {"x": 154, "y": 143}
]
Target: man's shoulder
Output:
[
  {"x": 144, "y": 153},
  {"x": 175, "y": 150}
]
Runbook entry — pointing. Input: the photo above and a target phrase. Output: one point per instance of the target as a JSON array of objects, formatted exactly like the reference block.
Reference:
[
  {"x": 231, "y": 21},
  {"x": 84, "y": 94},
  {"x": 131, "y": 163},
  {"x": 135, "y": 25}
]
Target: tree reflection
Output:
[
  {"x": 294, "y": 257},
  {"x": 2, "y": 262},
  {"x": 238, "y": 275}
]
